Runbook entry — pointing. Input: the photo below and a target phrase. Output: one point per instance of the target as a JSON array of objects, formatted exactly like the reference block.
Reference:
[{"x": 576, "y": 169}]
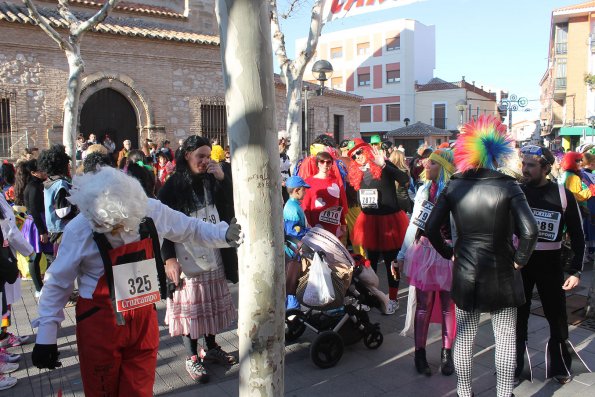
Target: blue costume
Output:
[{"x": 294, "y": 219}]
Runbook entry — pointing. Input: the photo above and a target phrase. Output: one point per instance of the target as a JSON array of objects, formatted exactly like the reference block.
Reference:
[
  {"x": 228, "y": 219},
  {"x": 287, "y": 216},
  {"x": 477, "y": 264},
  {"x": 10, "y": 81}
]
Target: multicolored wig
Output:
[
  {"x": 483, "y": 143},
  {"x": 569, "y": 161},
  {"x": 355, "y": 172},
  {"x": 444, "y": 157}
]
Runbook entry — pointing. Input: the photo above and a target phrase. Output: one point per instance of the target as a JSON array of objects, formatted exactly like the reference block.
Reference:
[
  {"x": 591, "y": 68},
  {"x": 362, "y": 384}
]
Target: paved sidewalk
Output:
[{"x": 387, "y": 371}]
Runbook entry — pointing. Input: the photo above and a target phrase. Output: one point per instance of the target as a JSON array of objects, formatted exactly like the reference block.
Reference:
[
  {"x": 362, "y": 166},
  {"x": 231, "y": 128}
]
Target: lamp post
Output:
[
  {"x": 592, "y": 122},
  {"x": 461, "y": 106},
  {"x": 512, "y": 104},
  {"x": 322, "y": 70}
]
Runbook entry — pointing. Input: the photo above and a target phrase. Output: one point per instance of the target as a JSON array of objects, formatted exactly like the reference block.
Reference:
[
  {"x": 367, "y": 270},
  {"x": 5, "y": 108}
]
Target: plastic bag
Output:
[{"x": 319, "y": 291}]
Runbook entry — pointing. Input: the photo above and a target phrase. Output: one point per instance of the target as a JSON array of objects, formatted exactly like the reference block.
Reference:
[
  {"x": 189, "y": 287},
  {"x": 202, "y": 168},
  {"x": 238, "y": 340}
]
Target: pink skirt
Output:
[
  {"x": 426, "y": 269},
  {"x": 202, "y": 306}
]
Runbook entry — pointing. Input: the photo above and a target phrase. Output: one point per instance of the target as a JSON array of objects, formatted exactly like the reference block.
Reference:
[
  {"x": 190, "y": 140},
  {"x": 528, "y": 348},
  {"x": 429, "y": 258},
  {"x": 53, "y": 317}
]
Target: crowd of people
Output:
[{"x": 472, "y": 226}]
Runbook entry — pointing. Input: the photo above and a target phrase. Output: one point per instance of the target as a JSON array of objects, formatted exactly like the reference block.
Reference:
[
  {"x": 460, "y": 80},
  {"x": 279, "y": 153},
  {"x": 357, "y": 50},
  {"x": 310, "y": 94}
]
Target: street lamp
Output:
[
  {"x": 461, "y": 106},
  {"x": 512, "y": 104},
  {"x": 322, "y": 70}
]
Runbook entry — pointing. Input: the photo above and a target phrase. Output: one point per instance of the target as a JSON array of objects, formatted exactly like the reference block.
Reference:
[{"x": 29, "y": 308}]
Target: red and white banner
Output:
[{"x": 335, "y": 9}]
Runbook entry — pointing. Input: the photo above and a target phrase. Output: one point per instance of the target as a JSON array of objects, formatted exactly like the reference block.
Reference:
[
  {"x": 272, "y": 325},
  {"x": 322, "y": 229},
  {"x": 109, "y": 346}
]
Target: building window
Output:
[
  {"x": 393, "y": 112},
  {"x": 5, "y": 125},
  {"x": 336, "y": 52},
  {"x": 440, "y": 115},
  {"x": 393, "y": 43},
  {"x": 338, "y": 124},
  {"x": 4, "y": 116},
  {"x": 213, "y": 120},
  {"x": 365, "y": 114},
  {"x": 363, "y": 79},
  {"x": 393, "y": 76},
  {"x": 337, "y": 83},
  {"x": 363, "y": 48}
]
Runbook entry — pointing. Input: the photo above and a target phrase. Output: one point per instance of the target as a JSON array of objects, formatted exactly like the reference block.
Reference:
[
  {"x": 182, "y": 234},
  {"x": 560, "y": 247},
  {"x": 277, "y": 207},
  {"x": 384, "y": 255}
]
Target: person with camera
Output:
[{"x": 555, "y": 209}]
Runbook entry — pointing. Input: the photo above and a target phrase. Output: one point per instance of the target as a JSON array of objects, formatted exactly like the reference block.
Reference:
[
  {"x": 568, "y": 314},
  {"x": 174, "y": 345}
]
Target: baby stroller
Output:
[{"x": 340, "y": 322}]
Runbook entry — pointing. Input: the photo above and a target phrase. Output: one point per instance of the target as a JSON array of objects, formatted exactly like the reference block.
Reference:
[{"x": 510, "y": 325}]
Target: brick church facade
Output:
[{"x": 152, "y": 70}]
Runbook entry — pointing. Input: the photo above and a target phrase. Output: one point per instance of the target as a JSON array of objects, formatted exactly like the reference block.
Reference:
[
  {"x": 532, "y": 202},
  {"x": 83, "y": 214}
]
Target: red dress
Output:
[{"x": 325, "y": 203}]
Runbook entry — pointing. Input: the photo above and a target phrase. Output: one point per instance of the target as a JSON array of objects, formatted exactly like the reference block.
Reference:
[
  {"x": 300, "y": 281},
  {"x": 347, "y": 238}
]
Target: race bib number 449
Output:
[
  {"x": 136, "y": 285},
  {"x": 548, "y": 223}
]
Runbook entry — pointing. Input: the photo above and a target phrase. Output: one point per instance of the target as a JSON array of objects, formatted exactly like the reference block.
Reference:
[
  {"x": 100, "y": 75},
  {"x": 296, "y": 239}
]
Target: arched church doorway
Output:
[{"x": 109, "y": 112}]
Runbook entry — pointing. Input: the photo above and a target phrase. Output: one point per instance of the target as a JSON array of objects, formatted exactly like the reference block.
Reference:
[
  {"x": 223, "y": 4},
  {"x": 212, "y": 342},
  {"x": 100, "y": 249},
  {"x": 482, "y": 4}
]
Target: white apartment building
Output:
[{"x": 381, "y": 62}]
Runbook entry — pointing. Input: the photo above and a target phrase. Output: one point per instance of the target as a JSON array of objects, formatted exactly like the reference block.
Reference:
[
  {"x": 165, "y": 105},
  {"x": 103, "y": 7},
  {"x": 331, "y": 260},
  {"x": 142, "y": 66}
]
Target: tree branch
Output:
[
  {"x": 316, "y": 26},
  {"x": 64, "y": 10},
  {"x": 45, "y": 26},
  {"x": 95, "y": 19},
  {"x": 278, "y": 37}
]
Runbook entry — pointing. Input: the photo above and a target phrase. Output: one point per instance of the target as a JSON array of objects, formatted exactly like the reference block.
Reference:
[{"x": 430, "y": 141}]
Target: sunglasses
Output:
[
  {"x": 359, "y": 152},
  {"x": 534, "y": 150},
  {"x": 327, "y": 162}
]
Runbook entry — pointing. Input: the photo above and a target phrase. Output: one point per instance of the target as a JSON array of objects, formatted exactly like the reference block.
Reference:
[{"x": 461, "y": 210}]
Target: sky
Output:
[{"x": 500, "y": 44}]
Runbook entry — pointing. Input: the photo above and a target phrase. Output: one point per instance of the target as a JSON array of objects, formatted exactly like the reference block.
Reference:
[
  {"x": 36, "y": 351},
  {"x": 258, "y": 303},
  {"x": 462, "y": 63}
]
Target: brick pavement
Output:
[{"x": 361, "y": 372}]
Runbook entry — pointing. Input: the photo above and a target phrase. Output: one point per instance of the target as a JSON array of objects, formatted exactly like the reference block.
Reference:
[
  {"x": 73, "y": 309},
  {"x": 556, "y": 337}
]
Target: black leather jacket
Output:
[{"x": 487, "y": 208}]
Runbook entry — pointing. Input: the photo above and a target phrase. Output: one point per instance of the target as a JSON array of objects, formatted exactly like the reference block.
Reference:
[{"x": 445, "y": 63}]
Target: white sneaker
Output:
[
  {"x": 392, "y": 307},
  {"x": 37, "y": 294},
  {"x": 6, "y": 368},
  {"x": 6, "y": 382}
]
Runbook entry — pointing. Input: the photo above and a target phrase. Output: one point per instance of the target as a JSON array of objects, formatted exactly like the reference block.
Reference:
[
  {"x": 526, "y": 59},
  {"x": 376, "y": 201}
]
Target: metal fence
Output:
[
  {"x": 213, "y": 120},
  {"x": 7, "y": 126}
]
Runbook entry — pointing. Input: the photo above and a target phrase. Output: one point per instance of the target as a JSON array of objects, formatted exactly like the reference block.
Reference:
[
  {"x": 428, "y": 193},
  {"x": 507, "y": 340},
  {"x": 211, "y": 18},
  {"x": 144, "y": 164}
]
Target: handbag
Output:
[{"x": 9, "y": 270}]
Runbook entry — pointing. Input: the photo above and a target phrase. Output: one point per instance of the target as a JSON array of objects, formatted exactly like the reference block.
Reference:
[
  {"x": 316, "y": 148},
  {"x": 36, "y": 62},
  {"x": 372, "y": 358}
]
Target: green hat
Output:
[
  {"x": 375, "y": 139},
  {"x": 350, "y": 145}
]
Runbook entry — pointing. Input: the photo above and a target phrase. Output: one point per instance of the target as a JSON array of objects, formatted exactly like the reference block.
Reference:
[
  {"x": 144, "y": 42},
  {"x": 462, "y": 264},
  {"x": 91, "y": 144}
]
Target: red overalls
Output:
[{"x": 118, "y": 351}]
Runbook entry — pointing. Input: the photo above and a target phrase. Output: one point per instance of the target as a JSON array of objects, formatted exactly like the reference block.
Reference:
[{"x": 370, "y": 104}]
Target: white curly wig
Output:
[{"x": 109, "y": 198}]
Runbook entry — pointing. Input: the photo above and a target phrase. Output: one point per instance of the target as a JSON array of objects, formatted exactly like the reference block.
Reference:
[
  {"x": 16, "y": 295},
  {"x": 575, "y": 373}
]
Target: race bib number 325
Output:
[{"x": 136, "y": 285}]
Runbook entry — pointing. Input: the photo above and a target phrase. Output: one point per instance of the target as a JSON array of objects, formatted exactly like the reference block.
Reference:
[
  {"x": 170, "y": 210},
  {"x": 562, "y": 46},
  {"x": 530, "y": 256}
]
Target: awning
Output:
[{"x": 576, "y": 131}]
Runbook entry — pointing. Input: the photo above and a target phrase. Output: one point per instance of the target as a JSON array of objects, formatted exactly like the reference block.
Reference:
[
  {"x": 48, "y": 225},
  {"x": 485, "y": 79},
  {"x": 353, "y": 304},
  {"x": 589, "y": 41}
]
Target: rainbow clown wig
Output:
[
  {"x": 483, "y": 143},
  {"x": 445, "y": 158}
]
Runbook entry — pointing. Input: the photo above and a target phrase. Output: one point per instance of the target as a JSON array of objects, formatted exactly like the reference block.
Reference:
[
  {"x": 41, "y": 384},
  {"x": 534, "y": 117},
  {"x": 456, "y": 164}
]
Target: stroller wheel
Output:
[
  {"x": 327, "y": 349},
  {"x": 373, "y": 340},
  {"x": 294, "y": 324}
]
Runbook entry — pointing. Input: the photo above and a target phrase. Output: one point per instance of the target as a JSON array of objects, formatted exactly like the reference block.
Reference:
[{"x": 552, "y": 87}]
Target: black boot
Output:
[
  {"x": 421, "y": 364},
  {"x": 447, "y": 365}
]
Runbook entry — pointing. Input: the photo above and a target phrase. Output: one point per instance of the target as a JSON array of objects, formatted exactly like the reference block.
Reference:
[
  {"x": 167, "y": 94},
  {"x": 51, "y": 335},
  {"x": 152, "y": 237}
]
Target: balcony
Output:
[
  {"x": 561, "y": 48},
  {"x": 560, "y": 84},
  {"x": 560, "y": 88}
]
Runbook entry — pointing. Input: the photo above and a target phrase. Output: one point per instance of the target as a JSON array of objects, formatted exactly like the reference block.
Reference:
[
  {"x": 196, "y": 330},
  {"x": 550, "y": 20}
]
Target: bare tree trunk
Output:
[
  {"x": 293, "y": 72},
  {"x": 293, "y": 102},
  {"x": 71, "y": 103},
  {"x": 72, "y": 49},
  {"x": 248, "y": 72}
]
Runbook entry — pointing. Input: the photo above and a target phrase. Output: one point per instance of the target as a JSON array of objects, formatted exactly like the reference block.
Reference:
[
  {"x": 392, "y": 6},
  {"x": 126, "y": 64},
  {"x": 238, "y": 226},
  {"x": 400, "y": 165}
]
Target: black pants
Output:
[
  {"x": 35, "y": 271},
  {"x": 545, "y": 270},
  {"x": 388, "y": 257}
]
